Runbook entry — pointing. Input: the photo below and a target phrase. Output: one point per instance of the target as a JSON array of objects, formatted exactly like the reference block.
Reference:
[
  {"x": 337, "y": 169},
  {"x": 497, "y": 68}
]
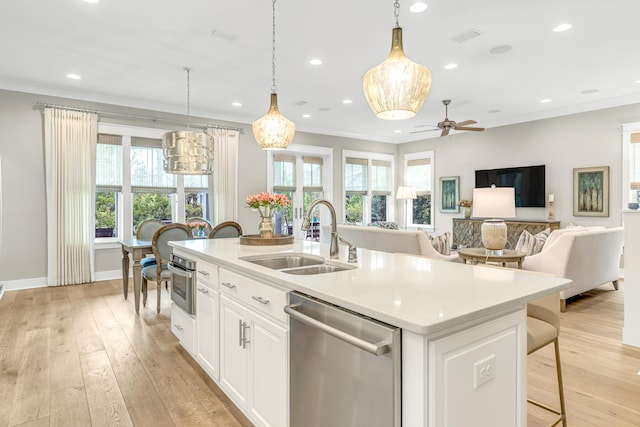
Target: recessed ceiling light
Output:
[
  {"x": 73, "y": 76},
  {"x": 589, "y": 91},
  {"x": 315, "y": 61},
  {"x": 637, "y": 81},
  {"x": 450, "y": 66},
  {"x": 324, "y": 109},
  {"x": 544, "y": 101},
  {"x": 347, "y": 101},
  {"x": 237, "y": 104},
  {"x": 562, "y": 27},
  {"x": 418, "y": 7},
  {"x": 92, "y": 1},
  {"x": 306, "y": 116},
  {"x": 397, "y": 131}
]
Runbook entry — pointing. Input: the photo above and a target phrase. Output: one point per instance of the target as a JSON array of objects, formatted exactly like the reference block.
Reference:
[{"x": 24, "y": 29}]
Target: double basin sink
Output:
[{"x": 297, "y": 263}]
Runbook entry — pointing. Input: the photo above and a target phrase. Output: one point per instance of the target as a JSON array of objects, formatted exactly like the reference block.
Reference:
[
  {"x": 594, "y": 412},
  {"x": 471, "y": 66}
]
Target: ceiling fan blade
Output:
[
  {"x": 466, "y": 128},
  {"x": 424, "y": 130},
  {"x": 445, "y": 132},
  {"x": 466, "y": 122}
]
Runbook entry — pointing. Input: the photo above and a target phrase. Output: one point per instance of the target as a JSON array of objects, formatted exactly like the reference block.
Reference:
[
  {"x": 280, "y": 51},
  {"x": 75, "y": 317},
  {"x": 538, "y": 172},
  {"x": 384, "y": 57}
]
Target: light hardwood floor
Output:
[{"x": 78, "y": 356}]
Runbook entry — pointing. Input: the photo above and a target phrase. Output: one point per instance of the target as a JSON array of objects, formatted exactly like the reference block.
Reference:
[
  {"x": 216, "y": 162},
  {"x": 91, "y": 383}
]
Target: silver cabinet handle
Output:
[
  {"x": 203, "y": 291},
  {"x": 261, "y": 300},
  {"x": 228, "y": 285},
  {"x": 240, "y": 330},
  {"x": 178, "y": 327},
  {"x": 376, "y": 349},
  {"x": 204, "y": 273},
  {"x": 245, "y": 341}
]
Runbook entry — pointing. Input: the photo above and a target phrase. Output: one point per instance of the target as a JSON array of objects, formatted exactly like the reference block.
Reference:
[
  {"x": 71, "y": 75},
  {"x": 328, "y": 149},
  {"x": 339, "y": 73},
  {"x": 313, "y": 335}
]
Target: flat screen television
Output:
[{"x": 528, "y": 181}]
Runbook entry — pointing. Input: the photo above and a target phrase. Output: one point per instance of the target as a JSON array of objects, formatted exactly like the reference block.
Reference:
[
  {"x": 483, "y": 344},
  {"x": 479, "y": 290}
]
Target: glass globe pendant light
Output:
[
  {"x": 187, "y": 152},
  {"x": 397, "y": 88},
  {"x": 273, "y": 131}
]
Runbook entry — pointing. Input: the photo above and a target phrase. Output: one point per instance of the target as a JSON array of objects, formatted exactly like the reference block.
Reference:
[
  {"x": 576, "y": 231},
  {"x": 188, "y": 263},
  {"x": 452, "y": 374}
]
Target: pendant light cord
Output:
[
  {"x": 273, "y": 47},
  {"x": 188, "y": 70},
  {"x": 396, "y": 12}
]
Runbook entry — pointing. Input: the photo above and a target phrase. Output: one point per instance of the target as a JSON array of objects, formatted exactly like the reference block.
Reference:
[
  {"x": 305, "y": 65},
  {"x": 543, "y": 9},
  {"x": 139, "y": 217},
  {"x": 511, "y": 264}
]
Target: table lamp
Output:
[
  {"x": 494, "y": 203},
  {"x": 406, "y": 194}
]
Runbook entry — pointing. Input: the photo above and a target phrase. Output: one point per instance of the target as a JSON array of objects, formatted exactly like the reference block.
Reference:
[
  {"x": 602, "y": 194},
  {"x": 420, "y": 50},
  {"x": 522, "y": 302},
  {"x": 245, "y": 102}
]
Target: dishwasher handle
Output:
[{"x": 377, "y": 349}]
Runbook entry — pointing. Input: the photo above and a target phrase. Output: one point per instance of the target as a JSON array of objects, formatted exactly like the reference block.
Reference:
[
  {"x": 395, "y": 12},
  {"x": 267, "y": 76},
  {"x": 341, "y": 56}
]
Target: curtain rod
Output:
[{"x": 40, "y": 106}]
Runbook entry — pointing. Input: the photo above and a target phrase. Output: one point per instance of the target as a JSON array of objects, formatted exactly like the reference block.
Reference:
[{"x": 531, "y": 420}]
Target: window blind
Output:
[
  {"x": 284, "y": 173},
  {"x": 147, "y": 170},
  {"x": 312, "y": 167},
  {"x": 356, "y": 175},
  {"x": 109, "y": 163},
  {"x": 381, "y": 178}
]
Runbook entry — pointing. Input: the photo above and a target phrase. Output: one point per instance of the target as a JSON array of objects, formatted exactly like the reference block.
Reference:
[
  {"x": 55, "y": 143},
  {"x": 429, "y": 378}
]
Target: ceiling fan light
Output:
[
  {"x": 397, "y": 88},
  {"x": 273, "y": 131},
  {"x": 187, "y": 153}
]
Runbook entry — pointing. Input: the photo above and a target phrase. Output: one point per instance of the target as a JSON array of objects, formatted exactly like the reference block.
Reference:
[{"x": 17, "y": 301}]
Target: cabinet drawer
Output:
[
  {"x": 207, "y": 273},
  {"x": 183, "y": 327},
  {"x": 259, "y": 296}
]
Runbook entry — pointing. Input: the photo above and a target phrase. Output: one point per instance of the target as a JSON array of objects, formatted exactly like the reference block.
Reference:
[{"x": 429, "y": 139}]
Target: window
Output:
[
  {"x": 631, "y": 165},
  {"x": 368, "y": 186},
  {"x": 419, "y": 174},
  {"x": 131, "y": 184}
]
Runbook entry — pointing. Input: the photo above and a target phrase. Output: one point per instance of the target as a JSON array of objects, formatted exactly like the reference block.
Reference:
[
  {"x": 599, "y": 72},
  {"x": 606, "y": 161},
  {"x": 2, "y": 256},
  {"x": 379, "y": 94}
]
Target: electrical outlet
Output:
[{"x": 484, "y": 370}]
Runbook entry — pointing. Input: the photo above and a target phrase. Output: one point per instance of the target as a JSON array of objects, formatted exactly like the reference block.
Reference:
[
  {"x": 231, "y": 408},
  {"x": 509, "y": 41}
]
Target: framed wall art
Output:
[
  {"x": 591, "y": 191},
  {"x": 449, "y": 194}
]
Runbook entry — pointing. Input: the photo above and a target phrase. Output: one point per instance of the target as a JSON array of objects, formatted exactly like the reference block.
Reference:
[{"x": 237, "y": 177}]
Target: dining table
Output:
[{"x": 137, "y": 249}]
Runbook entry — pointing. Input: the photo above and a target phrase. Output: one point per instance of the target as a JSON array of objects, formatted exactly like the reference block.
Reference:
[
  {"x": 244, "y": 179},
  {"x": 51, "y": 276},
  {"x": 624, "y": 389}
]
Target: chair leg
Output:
[
  {"x": 159, "y": 288},
  {"x": 563, "y": 409},
  {"x": 615, "y": 285},
  {"x": 144, "y": 292}
]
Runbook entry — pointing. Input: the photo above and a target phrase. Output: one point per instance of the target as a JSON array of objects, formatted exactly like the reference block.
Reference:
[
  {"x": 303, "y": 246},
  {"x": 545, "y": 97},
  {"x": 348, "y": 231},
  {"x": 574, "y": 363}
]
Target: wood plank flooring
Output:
[{"x": 79, "y": 356}]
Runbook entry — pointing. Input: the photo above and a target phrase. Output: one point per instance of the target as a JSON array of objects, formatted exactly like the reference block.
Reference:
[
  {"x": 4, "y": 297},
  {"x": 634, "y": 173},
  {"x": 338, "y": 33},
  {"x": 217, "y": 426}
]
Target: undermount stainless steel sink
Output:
[{"x": 296, "y": 263}]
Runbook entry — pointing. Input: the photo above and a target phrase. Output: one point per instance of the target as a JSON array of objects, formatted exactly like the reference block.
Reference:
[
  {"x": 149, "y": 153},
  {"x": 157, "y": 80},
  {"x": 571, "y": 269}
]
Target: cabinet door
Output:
[
  {"x": 269, "y": 373},
  {"x": 233, "y": 357},
  {"x": 207, "y": 326}
]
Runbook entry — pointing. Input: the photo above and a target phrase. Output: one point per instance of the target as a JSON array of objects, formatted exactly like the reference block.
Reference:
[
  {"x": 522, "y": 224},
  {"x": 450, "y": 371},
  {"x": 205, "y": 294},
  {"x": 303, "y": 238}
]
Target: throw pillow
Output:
[
  {"x": 389, "y": 225},
  {"x": 441, "y": 243},
  {"x": 532, "y": 244}
]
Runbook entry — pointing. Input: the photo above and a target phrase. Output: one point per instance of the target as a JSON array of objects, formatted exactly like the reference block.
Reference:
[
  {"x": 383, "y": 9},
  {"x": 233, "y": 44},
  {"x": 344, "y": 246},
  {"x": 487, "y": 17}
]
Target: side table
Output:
[{"x": 479, "y": 255}]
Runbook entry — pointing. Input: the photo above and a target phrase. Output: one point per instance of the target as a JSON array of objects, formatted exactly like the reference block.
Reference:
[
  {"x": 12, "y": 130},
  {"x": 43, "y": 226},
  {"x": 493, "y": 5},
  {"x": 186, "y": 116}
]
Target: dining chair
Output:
[
  {"x": 162, "y": 251},
  {"x": 145, "y": 231},
  {"x": 207, "y": 229},
  {"x": 226, "y": 229},
  {"x": 543, "y": 327}
]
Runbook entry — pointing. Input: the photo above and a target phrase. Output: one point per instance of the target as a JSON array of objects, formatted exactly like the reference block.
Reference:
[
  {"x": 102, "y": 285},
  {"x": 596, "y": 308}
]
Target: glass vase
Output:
[{"x": 266, "y": 227}]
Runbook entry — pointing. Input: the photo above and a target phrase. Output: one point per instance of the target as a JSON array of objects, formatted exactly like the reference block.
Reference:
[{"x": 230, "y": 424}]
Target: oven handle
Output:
[
  {"x": 181, "y": 272},
  {"x": 377, "y": 349}
]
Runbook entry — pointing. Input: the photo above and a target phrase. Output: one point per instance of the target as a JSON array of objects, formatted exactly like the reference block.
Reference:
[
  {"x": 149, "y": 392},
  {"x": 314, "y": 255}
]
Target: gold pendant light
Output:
[
  {"x": 273, "y": 131},
  {"x": 187, "y": 152},
  {"x": 397, "y": 88}
]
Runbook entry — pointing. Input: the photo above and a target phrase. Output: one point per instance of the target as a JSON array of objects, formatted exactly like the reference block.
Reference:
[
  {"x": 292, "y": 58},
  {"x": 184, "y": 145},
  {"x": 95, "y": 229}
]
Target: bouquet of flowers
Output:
[
  {"x": 267, "y": 203},
  {"x": 465, "y": 203}
]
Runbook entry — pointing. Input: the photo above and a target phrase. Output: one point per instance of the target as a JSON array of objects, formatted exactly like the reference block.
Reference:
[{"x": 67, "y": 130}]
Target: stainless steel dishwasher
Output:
[{"x": 345, "y": 368}]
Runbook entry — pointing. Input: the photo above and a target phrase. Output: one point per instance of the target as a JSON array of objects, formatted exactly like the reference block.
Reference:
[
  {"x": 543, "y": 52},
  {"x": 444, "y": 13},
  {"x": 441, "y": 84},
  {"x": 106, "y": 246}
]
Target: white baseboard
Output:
[
  {"x": 16, "y": 285},
  {"x": 109, "y": 275}
]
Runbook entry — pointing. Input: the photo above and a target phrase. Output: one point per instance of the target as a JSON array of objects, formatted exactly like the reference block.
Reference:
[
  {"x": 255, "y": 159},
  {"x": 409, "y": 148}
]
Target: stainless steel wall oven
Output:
[{"x": 183, "y": 283}]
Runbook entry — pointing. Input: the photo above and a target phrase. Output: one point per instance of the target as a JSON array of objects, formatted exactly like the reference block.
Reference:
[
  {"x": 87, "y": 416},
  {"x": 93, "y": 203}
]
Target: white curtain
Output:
[
  {"x": 225, "y": 174},
  {"x": 70, "y": 139}
]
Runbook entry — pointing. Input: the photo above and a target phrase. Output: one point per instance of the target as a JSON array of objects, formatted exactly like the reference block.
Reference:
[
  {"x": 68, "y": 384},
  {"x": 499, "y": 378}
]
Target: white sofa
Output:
[
  {"x": 589, "y": 256},
  {"x": 414, "y": 242}
]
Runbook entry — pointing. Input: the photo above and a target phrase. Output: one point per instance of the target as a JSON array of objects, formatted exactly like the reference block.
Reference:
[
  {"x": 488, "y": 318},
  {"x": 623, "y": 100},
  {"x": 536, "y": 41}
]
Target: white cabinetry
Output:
[
  {"x": 208, "y": 320},
  {"x": 254, "y": 368},
  {"x": 183, "y": 327}
]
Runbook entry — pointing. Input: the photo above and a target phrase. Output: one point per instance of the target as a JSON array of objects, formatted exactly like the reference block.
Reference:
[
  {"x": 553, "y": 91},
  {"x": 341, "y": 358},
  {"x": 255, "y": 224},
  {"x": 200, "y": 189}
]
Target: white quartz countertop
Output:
[{"x": 418, "y": 294}]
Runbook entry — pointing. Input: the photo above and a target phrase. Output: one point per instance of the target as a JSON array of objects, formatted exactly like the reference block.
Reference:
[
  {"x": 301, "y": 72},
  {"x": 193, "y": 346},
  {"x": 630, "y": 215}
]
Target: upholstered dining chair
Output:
[
  {"x": 543, "y": 327},
  {"x": 162, "y": 251},
  {"x": 226, "y": 229},
  {"x": 207, "y": 229},
  {"x": 145, "y": 231}
]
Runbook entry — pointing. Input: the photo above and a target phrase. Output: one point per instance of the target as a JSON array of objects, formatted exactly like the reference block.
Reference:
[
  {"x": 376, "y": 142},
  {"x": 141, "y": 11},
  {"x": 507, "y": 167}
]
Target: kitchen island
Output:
[{"x": 454, "y": 318}]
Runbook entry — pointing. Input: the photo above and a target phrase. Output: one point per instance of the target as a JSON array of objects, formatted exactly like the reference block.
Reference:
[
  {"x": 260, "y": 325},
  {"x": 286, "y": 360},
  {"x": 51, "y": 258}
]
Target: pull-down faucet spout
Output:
[{"x": 334, "y": 251}]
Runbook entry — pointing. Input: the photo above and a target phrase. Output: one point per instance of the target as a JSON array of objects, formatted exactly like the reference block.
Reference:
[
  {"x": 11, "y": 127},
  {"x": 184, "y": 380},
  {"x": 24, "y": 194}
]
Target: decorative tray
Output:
[{"x": 256, "y": 240}]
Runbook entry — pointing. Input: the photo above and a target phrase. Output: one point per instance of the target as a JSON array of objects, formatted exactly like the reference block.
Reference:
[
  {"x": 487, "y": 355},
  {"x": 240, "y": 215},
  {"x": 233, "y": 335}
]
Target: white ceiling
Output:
[{"x": 132, "y": 53}]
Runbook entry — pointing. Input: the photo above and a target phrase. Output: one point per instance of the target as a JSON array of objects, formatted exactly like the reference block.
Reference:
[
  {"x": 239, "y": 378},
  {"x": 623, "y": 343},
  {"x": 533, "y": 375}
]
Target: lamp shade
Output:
[
  {"x": 273, "y": 131},
  {"x": 397, "y": 88},
  {"x": 634, "y": 185},
  {"x": 187, "y": 153},
  {"x": 406, "y": 193},
  {"x": 494, "y": 202}
]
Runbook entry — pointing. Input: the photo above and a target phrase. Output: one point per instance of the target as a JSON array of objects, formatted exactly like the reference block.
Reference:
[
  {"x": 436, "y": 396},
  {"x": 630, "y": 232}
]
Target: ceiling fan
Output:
[{"x": 446, "y": 125}]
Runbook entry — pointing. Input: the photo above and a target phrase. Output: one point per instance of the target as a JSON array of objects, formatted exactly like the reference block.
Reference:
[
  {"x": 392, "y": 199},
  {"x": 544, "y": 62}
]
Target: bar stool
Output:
[{"x": 543, "y": 327}]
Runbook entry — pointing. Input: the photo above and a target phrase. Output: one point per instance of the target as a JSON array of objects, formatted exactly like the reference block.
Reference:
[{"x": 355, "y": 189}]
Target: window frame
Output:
[
  {"x": 370, "y": 157},
  {"x": 417, "y": 156}
]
